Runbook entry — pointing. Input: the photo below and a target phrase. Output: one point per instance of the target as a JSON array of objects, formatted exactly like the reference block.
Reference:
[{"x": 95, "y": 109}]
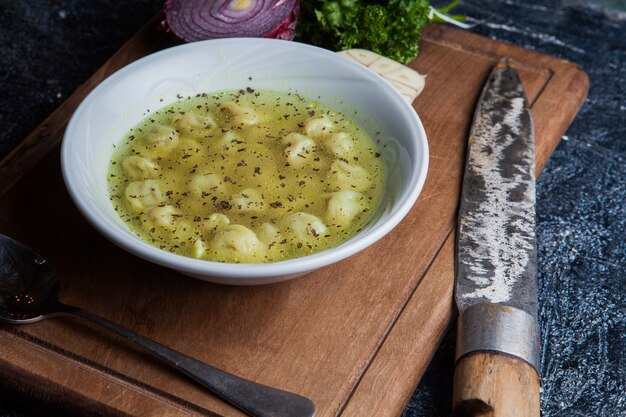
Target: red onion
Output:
[{"x": 195, "y": 20}]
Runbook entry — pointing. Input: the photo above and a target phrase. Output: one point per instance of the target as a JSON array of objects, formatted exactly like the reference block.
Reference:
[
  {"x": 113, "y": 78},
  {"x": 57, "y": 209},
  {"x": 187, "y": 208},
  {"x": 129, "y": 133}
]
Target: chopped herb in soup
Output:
[{"x": 246, "y": 176}]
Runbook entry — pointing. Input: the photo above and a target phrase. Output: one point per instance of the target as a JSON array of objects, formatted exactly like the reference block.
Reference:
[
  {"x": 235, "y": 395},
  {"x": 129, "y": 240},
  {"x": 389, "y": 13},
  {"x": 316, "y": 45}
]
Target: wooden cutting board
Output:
[{"x": 355, "y": 337}]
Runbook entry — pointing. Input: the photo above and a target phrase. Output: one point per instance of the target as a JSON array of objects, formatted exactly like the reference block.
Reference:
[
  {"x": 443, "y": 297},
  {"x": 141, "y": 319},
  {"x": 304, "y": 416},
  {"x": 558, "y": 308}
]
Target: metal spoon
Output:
[{"x": 29, "y": 291}]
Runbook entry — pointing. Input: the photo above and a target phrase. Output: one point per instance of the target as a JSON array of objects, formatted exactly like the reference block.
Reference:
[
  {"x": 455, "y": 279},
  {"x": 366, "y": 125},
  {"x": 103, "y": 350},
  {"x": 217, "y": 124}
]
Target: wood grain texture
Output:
[
  {"x": 495, "y": 385},
  {"x": 398, "y": 359},
  {"x": 354, "y": 336}
]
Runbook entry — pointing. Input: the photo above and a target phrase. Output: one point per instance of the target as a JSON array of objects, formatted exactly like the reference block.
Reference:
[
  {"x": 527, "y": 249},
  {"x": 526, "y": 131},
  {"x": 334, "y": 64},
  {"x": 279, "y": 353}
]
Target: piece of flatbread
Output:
[{"x": 407, "y": 81}]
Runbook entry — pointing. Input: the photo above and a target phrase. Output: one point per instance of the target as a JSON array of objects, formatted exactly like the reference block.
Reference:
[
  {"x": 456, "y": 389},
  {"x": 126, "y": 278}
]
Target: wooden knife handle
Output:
[{"x": 495, "y": 385}]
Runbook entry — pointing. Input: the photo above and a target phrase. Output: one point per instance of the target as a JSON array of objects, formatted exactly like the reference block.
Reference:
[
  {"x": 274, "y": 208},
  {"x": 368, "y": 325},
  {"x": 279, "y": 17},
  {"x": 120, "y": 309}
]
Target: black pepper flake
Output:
[
  {"x": 257, "y": 170},
  {"x": 276, "y": 204},
  {"x": 223, "y": 205}
]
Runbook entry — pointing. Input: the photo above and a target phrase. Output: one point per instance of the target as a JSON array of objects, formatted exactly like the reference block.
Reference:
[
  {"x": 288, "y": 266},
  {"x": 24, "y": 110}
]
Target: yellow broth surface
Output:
[{"x": 246, "y": 176}]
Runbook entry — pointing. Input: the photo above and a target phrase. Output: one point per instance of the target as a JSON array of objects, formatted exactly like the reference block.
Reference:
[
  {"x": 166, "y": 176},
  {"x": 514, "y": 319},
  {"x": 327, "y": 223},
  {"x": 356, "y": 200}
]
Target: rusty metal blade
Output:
[{"x": 496, "y": 244}]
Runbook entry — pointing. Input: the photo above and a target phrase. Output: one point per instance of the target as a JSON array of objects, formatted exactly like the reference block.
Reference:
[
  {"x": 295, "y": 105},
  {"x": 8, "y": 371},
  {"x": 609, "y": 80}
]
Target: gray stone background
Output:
[{"x": 47, "y": 48}]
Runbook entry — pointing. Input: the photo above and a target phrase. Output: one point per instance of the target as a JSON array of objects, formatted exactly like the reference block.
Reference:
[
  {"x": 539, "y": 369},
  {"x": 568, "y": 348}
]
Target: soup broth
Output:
[{"x": 246, "y": 176}]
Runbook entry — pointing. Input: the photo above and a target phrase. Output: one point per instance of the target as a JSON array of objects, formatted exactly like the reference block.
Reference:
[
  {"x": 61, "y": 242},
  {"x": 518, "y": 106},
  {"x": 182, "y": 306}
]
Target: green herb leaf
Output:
[{"x": 392, "y": 28}]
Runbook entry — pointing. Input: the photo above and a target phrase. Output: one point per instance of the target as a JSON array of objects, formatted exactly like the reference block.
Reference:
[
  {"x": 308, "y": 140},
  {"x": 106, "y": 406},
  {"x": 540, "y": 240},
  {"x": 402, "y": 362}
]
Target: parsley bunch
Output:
[{"x": 392, "y": 28}]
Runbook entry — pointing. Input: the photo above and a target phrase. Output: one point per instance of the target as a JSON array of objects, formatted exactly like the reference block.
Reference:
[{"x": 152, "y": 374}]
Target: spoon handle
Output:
[{"x": 255, "y": 399}]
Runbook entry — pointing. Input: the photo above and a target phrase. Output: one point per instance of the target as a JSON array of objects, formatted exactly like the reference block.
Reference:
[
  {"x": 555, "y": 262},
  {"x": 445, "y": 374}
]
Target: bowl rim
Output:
[{"x": 204, "y": 269}]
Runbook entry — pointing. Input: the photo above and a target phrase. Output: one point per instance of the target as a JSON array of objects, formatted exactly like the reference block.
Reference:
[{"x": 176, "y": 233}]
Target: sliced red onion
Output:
[{"x": 195, "y": 20}]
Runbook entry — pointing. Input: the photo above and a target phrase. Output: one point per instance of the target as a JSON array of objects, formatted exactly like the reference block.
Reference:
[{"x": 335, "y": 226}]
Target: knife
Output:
[{"x": 497, "y": 351}]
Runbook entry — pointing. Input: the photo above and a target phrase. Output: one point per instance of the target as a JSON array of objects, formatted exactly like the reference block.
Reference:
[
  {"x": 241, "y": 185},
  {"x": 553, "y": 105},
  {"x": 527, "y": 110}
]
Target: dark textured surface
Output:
[
  {"x": 581, "y": 218},
  {"x": 49, "y": 47}
]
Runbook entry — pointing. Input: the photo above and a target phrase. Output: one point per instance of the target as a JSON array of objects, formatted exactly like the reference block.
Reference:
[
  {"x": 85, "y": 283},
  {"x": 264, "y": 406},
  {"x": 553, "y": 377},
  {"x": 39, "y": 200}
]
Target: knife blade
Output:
[{"x": 496, "y": 294}]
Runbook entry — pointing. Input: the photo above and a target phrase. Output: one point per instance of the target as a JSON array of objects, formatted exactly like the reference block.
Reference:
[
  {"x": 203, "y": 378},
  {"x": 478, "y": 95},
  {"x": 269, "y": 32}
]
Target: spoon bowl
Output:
[{"x": 29, "y": 292}]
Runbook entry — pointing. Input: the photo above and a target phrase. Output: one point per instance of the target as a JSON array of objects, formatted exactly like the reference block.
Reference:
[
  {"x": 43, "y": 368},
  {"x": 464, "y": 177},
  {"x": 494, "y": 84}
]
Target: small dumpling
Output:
[
  {"x": 240, "y": 115},
  {"x": 164, "y": 216},
  {"x": 204, "y": 185},
  {"x": 305, "y": 227},
  {"x": 138, "y": 167},
  {"x": 144, "y": 194},
  {"x": 198, "y": 249},
  {"x": 318, "y": 127},
  {"x": 344, "y": 176},
  {"x": 191, "y": 123},
  {"x": 340, "y": 144},
  {"x": 162, "y": 139},
  {"x": 343, "y": 207},
  {"x": 248, "y": 200},
  {"x": 215, "y": 222},
  {"x": 298, "y": 148},
  {"x": 229, "y": 141},
  {"x": 237, "y": 242},
  {"x": 269, "y": 234}
]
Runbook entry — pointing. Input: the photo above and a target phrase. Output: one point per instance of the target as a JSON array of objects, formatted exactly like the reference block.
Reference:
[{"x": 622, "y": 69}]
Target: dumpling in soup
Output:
[
  {"x": 161, "y": 139},
  {"x": 144, "y": 194},
  {"x": 305, "y": 227},
  {"x": 318, "y": 127},
  {"x": 191, "y": 123},
  {"x": 163, "y": 216},
  {"x": 343, "y": 206},
  {"x": 340, "y": 144},
  {"x": 138, "y": 167},
  {"x": 298, "y": 148},
  {"x": 237, "y": 243},
  {"x": 240, "y": 115},
  {"x": 345, "y": 176}
]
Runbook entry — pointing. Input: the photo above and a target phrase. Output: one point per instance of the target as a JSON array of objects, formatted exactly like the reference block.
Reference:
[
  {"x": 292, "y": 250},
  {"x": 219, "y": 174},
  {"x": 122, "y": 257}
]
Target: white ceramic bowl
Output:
[{"x": 120, "y": 102}]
